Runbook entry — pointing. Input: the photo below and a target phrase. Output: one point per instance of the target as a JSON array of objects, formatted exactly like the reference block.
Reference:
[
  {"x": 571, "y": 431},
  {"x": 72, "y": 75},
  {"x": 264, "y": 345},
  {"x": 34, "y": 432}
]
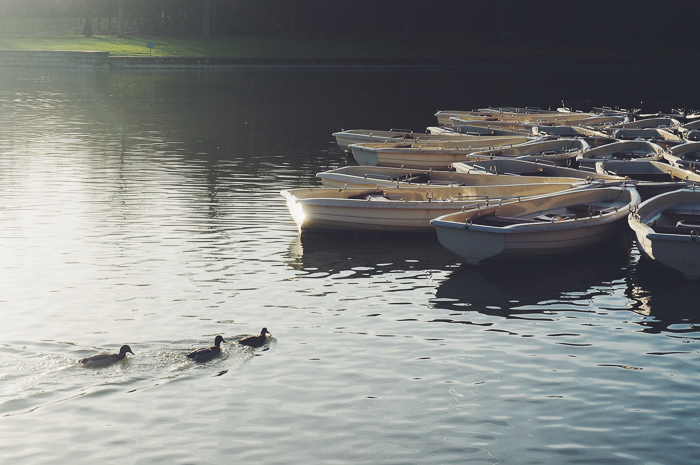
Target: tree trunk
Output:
[
  {"x": 87, "y": 27},
  {"x": 206, "y": 18},
  {"x": 120, "y": 24}
]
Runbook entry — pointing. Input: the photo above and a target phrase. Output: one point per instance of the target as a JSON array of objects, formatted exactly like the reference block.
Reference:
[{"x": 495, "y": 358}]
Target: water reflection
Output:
[
  {"x": 368, "y": 255},
  {"x": 665, "y": 300},
  {"x": 513, "y": 290}
]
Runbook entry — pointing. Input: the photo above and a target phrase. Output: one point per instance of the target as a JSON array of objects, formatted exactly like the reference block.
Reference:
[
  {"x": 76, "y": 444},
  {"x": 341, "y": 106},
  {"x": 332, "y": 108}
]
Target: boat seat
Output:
[
  {"x": 683, "y": 230},
  {"x": 443, "y": 183},
  {"x": 366, "y": 195},
  {"x": 416, "y": 178},
  {"x": 500, "y": 221},
  {"x": 551, "y": 217},
  {"x": 694, "y": 223},
  {"x": 535, "y": 172}
]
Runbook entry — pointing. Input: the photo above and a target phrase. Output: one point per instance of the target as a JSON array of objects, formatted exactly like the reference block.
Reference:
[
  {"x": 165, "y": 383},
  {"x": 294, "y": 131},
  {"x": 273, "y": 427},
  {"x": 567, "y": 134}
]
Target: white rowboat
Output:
[
  {"x": 545, "y": 226},
  {"x": 386, "y": 177},
  {"x": 397, "y": 210},
  {"x": 429, "y": 155},
  {"x": 667, "y": 228}
]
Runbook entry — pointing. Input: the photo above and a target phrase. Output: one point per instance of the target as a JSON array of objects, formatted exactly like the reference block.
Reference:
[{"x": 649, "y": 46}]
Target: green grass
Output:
[
  {"x": 64, "y": 34},
  {"x": 386, "y": 47}
]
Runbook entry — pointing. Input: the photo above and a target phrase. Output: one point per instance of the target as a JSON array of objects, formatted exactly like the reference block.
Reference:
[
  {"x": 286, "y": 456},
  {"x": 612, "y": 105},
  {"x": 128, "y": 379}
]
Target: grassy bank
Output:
[
  {"x": 460, "y": 47},
  {"x": 373, "y": 47}
]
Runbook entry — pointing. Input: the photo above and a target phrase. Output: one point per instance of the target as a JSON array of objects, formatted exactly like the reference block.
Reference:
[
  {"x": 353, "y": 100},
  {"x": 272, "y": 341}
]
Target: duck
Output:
[
  {"x": 255, "y": 341},
  {"x": 103, "y": 360},
  {"x": 207, "y": 353}
]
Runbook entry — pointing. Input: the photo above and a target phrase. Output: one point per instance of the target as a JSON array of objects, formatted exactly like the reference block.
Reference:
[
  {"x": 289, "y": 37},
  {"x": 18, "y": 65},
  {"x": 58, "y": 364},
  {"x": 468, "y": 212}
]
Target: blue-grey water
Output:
[{"x": 143, "y": 208}]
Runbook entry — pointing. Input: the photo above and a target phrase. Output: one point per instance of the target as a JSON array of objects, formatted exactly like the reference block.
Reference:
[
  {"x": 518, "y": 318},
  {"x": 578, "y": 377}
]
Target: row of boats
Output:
[{"x": 509, "y": 183}]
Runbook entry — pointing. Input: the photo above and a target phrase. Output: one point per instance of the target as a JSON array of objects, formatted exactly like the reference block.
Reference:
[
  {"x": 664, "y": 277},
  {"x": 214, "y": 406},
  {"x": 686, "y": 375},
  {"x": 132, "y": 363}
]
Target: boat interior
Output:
[
  {"x": 566, "y": 213},
  {"x": 681, "y": 219}
]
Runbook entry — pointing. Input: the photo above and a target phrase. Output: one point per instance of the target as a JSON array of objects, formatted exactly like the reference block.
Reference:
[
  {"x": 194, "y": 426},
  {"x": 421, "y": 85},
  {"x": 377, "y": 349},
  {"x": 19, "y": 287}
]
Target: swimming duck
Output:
[
  {"x": 255, "y": 341},
  {"x": 102, "y": 360},
  {"x": 207, "y": 353}
]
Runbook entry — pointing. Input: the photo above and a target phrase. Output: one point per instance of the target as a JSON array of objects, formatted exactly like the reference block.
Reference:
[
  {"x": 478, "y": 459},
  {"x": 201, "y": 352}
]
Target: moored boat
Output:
[
  {"x": 667, "y": 228},
  {"x": 395, "y": 136},
  {"x": 620, "y": 150},
  {"x": 397, "y": 210},
  {"x": 474, "y": 128},
  {"x": 513, "y": 166},
  {"x": 544, "y": 226},
  {"x": 691, "y": 130},
  {"x": 560, "y": 151},
  {"x": 592, "y": 137},
  {"x": 647, "y": 123},
  {"x": 428, "y": 155},
  {"x": 650, "y": 177},
  {"x": 685, "y": 155},
  {"x": 451, "y": 117},
  {"x": 388, "y": 177},
  {"x": 662, "y": 137}
]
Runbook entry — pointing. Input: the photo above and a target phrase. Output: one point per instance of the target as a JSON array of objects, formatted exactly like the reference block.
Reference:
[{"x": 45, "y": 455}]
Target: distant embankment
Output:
[
  {"x": 58, "y": 59},
  {"x": 103, "y": 60}
]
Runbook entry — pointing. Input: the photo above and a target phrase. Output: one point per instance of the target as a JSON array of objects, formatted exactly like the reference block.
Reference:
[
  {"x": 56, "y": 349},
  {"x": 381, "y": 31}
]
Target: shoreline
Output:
[{"x": 104, "y": 60}]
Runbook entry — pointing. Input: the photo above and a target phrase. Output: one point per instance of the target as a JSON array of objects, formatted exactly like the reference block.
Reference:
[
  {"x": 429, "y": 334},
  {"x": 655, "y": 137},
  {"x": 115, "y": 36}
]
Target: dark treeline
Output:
[{"x": 593, "y": 21}]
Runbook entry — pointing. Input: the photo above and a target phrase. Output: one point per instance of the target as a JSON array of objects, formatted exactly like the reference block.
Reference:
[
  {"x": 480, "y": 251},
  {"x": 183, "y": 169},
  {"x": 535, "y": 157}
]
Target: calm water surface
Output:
[{"x": 143, "y": 208}]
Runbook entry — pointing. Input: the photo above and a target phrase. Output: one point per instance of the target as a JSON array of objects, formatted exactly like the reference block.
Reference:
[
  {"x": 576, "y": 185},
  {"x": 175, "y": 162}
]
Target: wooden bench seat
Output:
[
  {"x": 500, "y": 221},
  {"x": 683, "y": 230}
]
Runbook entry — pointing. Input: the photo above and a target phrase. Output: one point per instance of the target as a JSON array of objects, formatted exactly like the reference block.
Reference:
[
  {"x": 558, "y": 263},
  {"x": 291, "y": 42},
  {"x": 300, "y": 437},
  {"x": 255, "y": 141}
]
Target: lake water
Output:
[{"x": 143, "y": 208}]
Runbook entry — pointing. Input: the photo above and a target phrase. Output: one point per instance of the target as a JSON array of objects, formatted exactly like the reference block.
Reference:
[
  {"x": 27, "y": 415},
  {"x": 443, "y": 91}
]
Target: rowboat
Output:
[
  {"x": 596, "y": 121},
  {"x": 593, "y": 137},
  {"x": 446, "y": 117},
  {"x": 560, "y": 151},
  {"x": 667, "y": 227},
  {"x": 647, "y": 123},
  {"x": 621, "y": 150},
  {"x": 650, "y": 177},
  {"x": 513, "y": 166},
  {"x": 485, "y": 129},
  {"x": 429, "y": 155},
  {"x": 395, "y": 136},
  {"x": 523, "y": 115},
  {"x": 387, "y": 177},
  {"x": 544, "y": 226},
  {"x": 659, "y": 136},
  {"x": 398, "y": 210},
  {"x": 685, "y": 155},
  {"x": 691, "y": 130}
]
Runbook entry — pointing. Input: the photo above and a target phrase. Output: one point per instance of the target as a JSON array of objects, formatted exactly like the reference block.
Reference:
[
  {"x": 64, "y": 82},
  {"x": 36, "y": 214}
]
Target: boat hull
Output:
[
  {"x": 620, "y": 150},
  {"x": 512, "y": 166},
  {"x": 434, "y": 156},
  {"x": 389, "y": 177},
  {"x": 527, "y": 236},
  {"x": 345, "y": 139},
  {"x": 671, "y": 246},
  {"x": 396, "y": 210}
]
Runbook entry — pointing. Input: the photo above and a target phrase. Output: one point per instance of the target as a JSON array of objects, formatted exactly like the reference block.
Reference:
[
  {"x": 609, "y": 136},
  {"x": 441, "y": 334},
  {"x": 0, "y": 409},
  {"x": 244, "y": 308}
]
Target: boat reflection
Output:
[
  {"x": 368, "y": 254},
  {"x": 663, "y": 297},
  {"x": 534, "y": 287}
]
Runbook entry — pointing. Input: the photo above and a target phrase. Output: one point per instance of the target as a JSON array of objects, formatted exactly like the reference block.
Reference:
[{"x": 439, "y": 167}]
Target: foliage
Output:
[{"x": 593, "y": 22}]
